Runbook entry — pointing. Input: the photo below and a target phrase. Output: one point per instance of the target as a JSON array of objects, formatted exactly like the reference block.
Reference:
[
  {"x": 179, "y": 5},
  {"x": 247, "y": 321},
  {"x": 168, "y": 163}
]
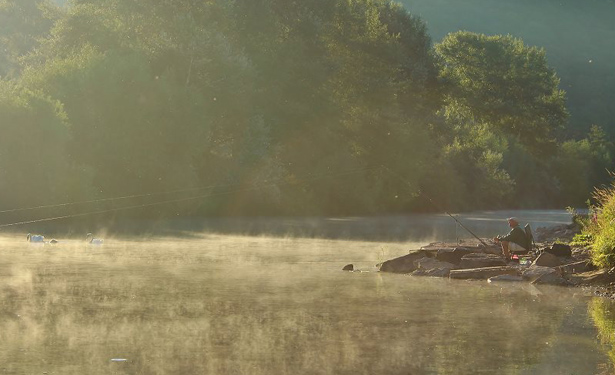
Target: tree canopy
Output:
[{"x": 278, "y": 107}]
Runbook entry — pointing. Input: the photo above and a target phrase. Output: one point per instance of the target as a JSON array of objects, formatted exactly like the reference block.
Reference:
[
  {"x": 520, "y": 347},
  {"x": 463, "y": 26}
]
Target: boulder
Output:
[
  {"x": 348, "y": 267},
  {"x": 482, "y": 273},
  {"x": 560, "y": 250},
  {"x": 505, "y": 278},
  {"x": 544, "y": 275},
  {"x": 405, "y": 264},
  {"x": 479, "y": 260},
  {"x": 454, "y": 255},
  {"x": 547, "y": 260}
]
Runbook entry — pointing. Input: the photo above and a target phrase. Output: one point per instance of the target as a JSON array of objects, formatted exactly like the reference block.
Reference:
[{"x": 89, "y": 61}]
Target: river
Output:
[{"x": 269, "y": 297}]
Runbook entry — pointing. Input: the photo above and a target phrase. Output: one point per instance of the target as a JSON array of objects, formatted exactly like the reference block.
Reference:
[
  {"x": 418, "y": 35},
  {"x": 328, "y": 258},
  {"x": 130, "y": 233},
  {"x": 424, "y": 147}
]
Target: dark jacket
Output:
[{"x": 516, "y": 235}]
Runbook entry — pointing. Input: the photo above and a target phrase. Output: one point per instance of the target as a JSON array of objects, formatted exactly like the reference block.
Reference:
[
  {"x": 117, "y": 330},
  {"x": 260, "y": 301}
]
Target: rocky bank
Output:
[{"x": 551, "y": 261}]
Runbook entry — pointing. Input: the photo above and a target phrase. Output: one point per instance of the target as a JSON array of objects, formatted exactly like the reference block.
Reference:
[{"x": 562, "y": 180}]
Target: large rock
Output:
[
  {"x": 560, "y": 250},
  {"x": 482, "y": 273},
  {"x": 544, "y": 275},
  {"x": 479, "y": 260},
  {"x": 454, "y": 255},
  {"x": 405, "y": 264},
  {"x": 547, "y": 260}
]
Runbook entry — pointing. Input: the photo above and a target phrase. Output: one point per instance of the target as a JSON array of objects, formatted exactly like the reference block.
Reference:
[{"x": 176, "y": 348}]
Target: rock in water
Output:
[{"x": 348, "y": 267}]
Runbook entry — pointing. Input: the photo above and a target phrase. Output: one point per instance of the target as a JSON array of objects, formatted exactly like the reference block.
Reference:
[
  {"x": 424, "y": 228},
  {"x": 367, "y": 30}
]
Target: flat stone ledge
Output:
[{"x": 483, "y": 273}]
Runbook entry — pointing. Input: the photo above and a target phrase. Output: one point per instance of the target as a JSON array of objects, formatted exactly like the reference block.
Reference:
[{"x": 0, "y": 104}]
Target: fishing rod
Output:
[
  {"x": 153, "y": 194},
  {"x": 208, "y": 195},
  {"x": 434, "y": 204}
]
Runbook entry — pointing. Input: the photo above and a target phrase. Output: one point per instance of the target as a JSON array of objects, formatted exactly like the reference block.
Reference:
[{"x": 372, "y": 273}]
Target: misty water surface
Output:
[{"x": 224, "y": 303}]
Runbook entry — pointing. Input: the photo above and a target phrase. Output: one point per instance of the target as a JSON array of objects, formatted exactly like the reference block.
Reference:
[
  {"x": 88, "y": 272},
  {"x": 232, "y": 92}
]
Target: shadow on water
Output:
[{"x": 602, "y": 312}]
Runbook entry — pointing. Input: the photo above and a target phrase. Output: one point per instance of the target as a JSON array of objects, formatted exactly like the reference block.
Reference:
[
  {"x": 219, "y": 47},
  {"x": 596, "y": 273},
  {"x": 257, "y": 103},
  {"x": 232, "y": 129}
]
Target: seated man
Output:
[{"x": 514, "y": 241}]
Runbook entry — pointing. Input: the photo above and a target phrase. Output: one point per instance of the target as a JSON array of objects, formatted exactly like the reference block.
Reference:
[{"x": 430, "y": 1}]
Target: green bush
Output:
[
  {"x": 582, "y": 239},
  {"x": 601, "y": 227}
]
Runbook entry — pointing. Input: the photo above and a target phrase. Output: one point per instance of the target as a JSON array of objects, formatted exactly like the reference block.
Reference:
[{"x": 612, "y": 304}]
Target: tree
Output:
[
  {"x": 34, "y": 168},
  {"x": 23, "y": 23},
  {"x": 499, "y": 81},
  {"x": 583, "y": 164}
]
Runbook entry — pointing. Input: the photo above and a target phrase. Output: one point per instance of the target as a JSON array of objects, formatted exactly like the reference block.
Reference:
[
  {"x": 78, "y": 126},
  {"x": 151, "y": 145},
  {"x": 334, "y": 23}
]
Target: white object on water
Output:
[
  {"x": 36, "y": 238},
  {"x": 119, "y": 360},
  {"x": 93, "y": 241}
]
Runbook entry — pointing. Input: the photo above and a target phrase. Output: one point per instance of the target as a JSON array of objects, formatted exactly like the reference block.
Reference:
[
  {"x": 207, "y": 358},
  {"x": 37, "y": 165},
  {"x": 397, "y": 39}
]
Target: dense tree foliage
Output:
[
  {"x": 279, "y": 107},
  {"x": 33, "y": 163},
  {"x": 500, "y": 82},
  {"x": 22, "y": 25},
  {"x": 577, "y": 36}
]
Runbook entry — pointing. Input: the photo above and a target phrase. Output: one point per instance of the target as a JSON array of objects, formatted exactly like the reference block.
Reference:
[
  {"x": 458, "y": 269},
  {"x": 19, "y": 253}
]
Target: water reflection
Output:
[
  {"x": 222, "y": 304},
  {"x": 602, "y": 312}
]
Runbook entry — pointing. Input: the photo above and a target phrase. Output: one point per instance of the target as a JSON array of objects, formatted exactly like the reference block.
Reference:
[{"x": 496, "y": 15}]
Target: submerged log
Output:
[{"x": 482, "y": 273}]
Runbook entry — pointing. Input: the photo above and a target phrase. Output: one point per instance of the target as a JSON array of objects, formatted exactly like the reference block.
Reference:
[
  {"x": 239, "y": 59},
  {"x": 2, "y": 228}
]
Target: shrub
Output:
[{"x": 601, "y": 227}]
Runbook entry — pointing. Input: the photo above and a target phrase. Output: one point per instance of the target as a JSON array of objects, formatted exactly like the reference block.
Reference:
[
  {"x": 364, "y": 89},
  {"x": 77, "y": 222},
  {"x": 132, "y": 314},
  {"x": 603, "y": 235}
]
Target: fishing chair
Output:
[{"x": 530, "y": 242}]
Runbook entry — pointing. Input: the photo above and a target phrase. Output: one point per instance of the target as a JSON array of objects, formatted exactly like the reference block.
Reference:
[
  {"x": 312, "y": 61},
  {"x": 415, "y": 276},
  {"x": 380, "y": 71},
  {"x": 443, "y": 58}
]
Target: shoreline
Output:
[{"x": 552, "y": 261}]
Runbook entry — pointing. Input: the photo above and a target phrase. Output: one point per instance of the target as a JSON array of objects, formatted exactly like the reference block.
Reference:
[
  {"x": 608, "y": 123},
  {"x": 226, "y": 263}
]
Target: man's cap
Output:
[{"x": 512, "y": 219}]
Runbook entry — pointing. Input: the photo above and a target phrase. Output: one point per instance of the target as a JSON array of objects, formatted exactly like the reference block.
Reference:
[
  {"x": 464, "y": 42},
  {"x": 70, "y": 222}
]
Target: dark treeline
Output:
[{"x": 279, "y": 107}]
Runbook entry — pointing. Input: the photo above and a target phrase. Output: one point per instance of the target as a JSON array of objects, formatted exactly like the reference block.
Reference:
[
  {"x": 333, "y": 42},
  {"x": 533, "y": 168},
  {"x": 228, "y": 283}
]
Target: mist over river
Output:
[{"x": 267, "y": 296}]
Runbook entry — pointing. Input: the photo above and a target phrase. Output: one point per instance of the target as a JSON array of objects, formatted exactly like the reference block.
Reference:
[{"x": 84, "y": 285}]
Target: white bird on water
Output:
[
  {"x": 35, "y": 238},
  {"x": 93, "y": 241}
]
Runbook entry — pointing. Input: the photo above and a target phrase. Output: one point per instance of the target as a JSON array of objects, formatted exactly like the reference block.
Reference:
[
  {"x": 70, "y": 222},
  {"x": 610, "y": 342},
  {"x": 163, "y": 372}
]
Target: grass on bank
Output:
[{"x": 599, "y": 228}]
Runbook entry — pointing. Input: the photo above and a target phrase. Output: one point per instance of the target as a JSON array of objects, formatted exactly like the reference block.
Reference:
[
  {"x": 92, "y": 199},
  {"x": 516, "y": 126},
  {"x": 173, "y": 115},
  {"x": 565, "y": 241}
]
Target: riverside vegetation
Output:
[{"x": 115, "y": 98}]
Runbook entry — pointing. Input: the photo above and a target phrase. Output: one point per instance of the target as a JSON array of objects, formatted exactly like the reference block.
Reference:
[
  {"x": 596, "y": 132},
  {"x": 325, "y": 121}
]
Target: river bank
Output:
[{"x": 552, "y": 261}]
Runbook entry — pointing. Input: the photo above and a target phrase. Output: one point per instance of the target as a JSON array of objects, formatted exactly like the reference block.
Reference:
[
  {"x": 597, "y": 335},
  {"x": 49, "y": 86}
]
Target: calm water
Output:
[{"x": 236, "y": 304}]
